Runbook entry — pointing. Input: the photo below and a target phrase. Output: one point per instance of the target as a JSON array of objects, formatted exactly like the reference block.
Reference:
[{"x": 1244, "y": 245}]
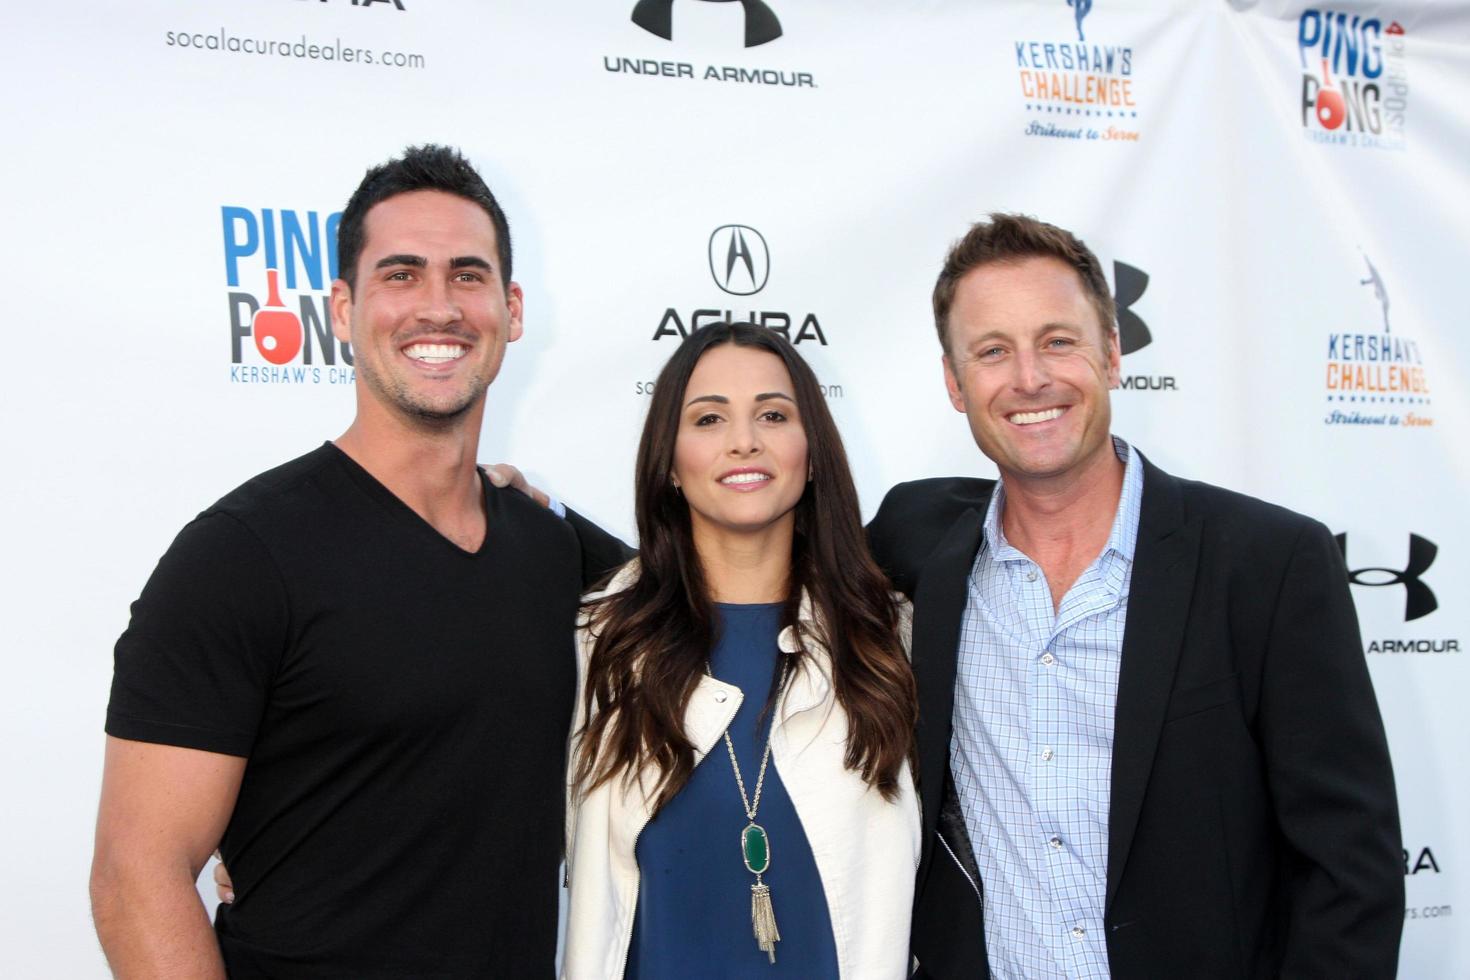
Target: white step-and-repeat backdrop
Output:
[{"x": 1279, "y": 191}]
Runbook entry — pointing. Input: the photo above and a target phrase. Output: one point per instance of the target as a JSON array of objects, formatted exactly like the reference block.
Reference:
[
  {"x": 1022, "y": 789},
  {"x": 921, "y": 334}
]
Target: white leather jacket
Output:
[{"x": 866, "y": 848}]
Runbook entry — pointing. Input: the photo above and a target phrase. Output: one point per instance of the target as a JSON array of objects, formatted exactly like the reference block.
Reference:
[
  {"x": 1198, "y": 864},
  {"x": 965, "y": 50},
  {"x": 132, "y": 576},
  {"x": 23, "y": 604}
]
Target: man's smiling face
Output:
[
  {"x": 1030, "y": 366},
  {"x": 429, "y": 317}
]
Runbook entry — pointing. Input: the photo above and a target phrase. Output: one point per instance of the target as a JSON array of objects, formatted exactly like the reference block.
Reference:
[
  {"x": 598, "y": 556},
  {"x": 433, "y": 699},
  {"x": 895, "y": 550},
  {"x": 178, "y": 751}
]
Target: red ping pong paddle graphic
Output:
[
  {"x": 1331, "y": 110},
  {"x": 277, "y": 330}
]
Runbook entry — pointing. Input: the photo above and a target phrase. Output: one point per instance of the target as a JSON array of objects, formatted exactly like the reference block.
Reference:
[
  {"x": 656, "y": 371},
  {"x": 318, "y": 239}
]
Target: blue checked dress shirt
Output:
[{"x": 1033, "y": 743}]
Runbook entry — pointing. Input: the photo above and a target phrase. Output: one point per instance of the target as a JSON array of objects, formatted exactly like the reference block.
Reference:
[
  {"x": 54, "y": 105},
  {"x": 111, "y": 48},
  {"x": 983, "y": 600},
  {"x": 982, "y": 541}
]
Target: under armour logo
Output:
[
  {"x": 657, "y": 17},
  {"x": 1420, "y": 600},
  {"x": 1128, "y": 285}
]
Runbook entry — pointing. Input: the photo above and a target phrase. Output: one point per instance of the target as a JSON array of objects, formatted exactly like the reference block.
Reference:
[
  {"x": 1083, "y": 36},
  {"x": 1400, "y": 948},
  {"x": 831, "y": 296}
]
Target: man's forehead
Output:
[
  {"x": 1024, "y": 296},
  {"x": 427, "y": 215},
  {"x": 1026, "y": 277}
]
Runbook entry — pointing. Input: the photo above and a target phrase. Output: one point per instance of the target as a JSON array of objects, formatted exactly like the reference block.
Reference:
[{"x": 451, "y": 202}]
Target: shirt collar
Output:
[{"x": 1124, "y": 535}]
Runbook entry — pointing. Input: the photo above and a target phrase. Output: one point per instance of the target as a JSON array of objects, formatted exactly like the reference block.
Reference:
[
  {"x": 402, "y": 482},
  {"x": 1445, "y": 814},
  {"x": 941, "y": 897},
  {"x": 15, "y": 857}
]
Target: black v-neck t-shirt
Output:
[{"x": 403, "y": 705}]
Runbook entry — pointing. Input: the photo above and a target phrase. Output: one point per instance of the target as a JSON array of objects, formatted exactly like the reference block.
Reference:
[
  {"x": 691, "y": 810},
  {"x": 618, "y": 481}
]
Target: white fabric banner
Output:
[{"x": 1279, "y": 192}]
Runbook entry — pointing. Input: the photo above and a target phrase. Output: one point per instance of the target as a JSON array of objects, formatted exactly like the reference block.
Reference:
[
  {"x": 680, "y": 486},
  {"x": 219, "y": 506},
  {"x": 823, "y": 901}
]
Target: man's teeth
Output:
[
  {"x": 745, "y": 478},
  {"x": 1031, "y": 418},
  {"x": 435, "y": 353}
]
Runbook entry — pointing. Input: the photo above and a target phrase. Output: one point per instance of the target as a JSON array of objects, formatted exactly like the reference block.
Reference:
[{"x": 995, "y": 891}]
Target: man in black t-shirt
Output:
[{"x": 353, "y": 674}]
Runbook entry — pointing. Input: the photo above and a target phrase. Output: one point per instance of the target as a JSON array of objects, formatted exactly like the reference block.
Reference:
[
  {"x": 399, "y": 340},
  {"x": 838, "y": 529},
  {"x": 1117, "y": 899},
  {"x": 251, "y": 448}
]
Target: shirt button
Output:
[
  {"x": 720, "y": 697},
  {"x": 1031, "y": 576},
  {"x": 1047, "y": 659},
  {"x": 1046, "y": 754},
  {"x": 1056, "y": 843},
  {"x": 1078, "y": 932}
]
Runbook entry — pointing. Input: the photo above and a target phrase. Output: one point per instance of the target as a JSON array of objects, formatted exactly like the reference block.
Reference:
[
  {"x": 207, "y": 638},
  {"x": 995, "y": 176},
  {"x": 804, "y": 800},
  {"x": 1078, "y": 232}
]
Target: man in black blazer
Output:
[{"x": 1246, "y": 822}]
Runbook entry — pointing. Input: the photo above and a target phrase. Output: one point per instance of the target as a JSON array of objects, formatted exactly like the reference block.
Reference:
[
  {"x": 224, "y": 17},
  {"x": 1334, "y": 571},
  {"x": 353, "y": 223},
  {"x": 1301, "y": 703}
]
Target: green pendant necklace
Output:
[{"x": 755, "y": 849}]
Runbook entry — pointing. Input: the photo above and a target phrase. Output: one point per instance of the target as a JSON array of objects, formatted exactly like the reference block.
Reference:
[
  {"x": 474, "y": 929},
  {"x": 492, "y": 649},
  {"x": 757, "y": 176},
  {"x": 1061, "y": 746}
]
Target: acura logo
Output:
[
  {"x": 761, "y": 25},
  {"x": 739, "y": 259},
  {"x": 1419, "y": 600}
]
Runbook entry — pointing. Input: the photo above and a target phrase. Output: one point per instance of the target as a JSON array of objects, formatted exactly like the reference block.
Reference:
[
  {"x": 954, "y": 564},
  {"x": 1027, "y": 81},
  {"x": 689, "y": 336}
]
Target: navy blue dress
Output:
[{"x": 693, "y": 915}]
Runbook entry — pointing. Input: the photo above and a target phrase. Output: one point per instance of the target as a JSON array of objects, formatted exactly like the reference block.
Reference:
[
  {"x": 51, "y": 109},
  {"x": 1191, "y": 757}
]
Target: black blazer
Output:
[{"x": 1253, "y": 829}]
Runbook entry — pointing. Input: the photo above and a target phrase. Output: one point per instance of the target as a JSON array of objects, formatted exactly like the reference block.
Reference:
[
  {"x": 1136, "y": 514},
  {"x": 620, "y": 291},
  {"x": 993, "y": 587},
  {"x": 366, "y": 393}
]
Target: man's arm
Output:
[
  {"x": 1330, "y": 775},
  {"x": 163, "y": 811},
  {"x": 885, "y": 539},
  {"x": 602, "y": 553},
  {"x": 913, "y": 520}
]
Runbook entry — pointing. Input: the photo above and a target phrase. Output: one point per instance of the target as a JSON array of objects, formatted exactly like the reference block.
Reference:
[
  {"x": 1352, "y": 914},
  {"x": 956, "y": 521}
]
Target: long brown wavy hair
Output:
[{"x": 653, "y": 638}]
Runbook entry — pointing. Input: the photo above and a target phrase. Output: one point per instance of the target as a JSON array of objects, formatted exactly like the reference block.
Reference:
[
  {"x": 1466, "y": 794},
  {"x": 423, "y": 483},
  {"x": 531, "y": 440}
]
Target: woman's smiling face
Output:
[{"x": 740, "y": 457}]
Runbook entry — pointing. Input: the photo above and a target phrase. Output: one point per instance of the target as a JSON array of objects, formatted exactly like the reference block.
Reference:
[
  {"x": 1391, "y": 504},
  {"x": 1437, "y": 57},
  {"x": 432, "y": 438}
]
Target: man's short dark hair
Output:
[
  {"x": 1011, "y": 238},
  {"x": 421, "y": 168}
]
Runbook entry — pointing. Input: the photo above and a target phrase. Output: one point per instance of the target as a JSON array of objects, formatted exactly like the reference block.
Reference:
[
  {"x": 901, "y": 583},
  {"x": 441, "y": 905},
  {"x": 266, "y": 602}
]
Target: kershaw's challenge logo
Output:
[
  {"x": 1078, "y": 89},
  {"x": 1080, "y": 8},
  {"x": 290, "y": 254},
  {"x": 1355, "y": 83},
  {"x": 1369, "y": 368},
  {"x": 761, "y": 27}
]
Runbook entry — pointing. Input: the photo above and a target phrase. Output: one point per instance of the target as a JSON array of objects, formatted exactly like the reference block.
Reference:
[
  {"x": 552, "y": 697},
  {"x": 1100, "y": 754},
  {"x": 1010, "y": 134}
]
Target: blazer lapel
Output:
[
  {"x": 939, "y": 607},
  {"x": 1164, "y": 564}
]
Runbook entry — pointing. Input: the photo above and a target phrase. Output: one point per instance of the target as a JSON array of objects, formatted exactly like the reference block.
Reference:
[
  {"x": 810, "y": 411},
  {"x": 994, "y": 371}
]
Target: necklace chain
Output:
[
  {"x": 760, "y": 781},
  {"x": 751, "y": 807}
]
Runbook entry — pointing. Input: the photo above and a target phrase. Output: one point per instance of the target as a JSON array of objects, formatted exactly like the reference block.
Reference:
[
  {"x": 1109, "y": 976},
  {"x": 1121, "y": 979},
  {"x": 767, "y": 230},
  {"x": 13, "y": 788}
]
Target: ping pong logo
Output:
[
  {"x": 761, "y": 23},
  {"x": 277, "y": 331},
  {"x": 1354, "y": 87},
  {"x": 291, "y": 252}
]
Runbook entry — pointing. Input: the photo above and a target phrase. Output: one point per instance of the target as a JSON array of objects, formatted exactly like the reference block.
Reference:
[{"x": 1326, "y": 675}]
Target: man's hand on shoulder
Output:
[{"x": 505, "y": 475}]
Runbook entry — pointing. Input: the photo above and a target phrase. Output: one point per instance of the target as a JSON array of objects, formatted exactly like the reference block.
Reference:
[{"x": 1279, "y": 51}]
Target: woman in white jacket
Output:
[{"x": 741, "y": 802}]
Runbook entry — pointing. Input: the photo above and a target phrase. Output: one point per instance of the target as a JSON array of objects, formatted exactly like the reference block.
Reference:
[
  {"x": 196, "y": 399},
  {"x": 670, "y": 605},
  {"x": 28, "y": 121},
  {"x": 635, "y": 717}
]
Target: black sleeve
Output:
[
  {"x": 886, "y": 537},
  {"x": 195, "y": 666},
  {"x": 1330, "y": 776},
  {"x": 602, "y": 554}
]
